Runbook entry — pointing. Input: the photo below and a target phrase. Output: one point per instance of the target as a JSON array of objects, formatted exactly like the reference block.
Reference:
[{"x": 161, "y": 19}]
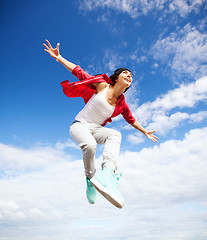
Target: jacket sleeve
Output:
[
  {"x": 80, "y": 73},
  {"x": 127, "y": 114}
]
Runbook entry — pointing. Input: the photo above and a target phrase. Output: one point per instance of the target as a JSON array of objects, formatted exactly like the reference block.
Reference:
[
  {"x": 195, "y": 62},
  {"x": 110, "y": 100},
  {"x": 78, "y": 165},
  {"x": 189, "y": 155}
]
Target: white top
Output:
[{"x": 97, "y": 110}]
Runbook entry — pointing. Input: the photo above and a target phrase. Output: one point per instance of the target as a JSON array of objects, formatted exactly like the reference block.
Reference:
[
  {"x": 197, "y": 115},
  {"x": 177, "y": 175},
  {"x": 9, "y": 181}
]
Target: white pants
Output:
[{"x": 87, "y": 136}]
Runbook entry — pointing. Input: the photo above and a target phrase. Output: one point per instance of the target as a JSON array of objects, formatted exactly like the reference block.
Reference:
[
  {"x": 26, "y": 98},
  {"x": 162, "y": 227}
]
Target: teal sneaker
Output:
[
  {"x": 90, "y": 191},
  {"x": 106, "y": 182}
]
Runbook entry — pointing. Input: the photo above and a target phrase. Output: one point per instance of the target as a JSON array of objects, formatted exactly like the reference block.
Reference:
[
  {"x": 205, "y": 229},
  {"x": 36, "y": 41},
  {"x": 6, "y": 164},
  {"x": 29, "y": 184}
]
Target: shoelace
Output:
[{"x": 118, "y": 175}]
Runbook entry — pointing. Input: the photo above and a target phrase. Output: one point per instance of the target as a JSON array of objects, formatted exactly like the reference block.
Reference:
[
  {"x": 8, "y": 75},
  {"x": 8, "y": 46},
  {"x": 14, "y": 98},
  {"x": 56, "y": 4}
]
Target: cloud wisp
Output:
[
  {"x": 184, "y": 51},
  {"x": 135, "y": 8}
]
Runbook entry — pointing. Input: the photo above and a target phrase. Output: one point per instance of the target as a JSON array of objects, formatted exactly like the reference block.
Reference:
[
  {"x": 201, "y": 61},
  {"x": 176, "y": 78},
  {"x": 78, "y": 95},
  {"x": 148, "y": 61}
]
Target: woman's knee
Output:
[
  {"x": 117, "y": 135},
  {"x": 88, "y": 146}
]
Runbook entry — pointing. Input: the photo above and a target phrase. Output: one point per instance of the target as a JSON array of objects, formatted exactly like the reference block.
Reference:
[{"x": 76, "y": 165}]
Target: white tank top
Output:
[{"x": 97, "y": 110}]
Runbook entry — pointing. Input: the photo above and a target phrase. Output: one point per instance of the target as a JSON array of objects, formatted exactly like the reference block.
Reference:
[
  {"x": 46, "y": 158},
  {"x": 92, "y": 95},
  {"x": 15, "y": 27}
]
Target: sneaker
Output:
[
  {"x": 106, "y": 182},
  {"x": 90, "y": 191}
]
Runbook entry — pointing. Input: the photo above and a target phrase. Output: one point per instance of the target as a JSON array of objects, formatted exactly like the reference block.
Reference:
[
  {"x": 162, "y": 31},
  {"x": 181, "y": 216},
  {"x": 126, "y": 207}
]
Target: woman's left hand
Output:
[{"x": 149, "y": 134}]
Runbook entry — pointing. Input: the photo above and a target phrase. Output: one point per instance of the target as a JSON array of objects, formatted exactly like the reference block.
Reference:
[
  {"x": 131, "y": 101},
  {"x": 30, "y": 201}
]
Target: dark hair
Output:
[{"x": 113, "y": 78}]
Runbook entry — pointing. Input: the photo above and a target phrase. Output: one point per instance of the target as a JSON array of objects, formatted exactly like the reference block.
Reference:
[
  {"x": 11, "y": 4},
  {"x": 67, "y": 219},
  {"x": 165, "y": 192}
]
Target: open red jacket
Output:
[{"x": 85, "y": 89}]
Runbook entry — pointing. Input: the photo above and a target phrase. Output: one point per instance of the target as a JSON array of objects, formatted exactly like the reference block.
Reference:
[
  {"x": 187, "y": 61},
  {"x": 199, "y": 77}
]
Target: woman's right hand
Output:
[{"x": 54, "y": 52}]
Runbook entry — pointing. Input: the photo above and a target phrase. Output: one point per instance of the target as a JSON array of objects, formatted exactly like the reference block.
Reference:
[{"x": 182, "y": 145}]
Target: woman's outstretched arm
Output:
[{"x": 54, "y": 52}]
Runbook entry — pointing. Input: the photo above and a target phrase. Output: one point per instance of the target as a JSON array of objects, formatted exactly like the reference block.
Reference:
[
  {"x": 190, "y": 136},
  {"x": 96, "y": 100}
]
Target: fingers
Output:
[
  {"x": 154, "y": 138},
  {"x": 151, "y": 132},
  {"x": 58, "y": 47},
  {"x": 46, "y": 46},
  {"x": 151, "y": 136},
  {"x": 49, "y": 43},
  {"x": 49, "y": 46}
]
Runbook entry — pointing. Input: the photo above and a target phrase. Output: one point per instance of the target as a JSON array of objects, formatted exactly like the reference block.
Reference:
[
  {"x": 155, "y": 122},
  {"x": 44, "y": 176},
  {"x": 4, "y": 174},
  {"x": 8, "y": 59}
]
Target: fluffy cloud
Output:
[
  {"x": 136, "y": 138},
  {"x": 159, "y": 115},
  {"x": 184, "y": 51},
  {"x": 174, "y": 163},
  {"x": 164, "y": 187},
  {"x": 67, "y": 144},
  {"x": 163, "y": 124},
  {"x": 40, "y": 157}
]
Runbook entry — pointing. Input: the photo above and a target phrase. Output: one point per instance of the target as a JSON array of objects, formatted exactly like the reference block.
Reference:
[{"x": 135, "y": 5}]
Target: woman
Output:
[{"x": 104, "y": 100}]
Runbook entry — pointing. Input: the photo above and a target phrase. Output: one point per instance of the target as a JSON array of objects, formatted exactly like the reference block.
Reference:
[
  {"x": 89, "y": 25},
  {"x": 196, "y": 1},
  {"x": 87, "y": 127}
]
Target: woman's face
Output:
[{"x": 125, "y": 78}]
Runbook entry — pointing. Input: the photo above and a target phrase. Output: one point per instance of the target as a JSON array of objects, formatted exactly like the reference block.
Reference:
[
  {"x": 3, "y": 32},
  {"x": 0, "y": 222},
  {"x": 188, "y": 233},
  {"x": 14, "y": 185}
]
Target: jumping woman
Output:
[{"x": 104, "y": 100}]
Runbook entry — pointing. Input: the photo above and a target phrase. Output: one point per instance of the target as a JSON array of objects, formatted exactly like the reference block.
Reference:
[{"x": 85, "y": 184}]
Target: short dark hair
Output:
[{"x": 113, "y": 78}]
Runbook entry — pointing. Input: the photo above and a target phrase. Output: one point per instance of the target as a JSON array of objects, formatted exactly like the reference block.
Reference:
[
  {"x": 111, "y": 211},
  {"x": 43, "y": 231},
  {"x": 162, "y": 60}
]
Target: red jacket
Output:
[{"x": 85, "y": 89}]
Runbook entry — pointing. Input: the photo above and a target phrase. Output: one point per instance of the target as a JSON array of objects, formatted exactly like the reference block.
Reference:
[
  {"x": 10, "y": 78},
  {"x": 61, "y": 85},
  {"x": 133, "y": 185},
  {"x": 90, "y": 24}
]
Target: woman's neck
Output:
[{"x": 117, "y": 91}]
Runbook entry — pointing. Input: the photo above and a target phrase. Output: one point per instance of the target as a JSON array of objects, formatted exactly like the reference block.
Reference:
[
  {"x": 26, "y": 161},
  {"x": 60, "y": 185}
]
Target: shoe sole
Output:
[
  {"x": 90, "y": 202},
  {"x": 110, "y": 196}
]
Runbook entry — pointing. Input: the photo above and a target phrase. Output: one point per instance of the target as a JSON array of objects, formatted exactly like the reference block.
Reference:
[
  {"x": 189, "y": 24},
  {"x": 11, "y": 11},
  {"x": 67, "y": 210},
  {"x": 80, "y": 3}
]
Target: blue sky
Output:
[{"x": 164, "y": 43}]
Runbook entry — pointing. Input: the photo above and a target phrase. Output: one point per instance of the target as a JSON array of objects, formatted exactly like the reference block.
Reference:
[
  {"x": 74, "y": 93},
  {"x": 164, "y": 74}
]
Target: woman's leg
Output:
[
  {"x": 112, "y": 141},
  {"x": 81, "y": 134},
  {"x": 106, "y": 181}
]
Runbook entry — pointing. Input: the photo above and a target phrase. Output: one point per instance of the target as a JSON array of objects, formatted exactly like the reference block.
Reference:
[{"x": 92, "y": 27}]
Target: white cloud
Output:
[
  {"x": 136, "y": 8},
  {"x": 39, "y": 157},
  {"x": 136, "y": 138},
  {"x": 202, "y": 23},
  {"x": 167, "y": 169},
  {"x": 163, "y": 124},
  {"x": 158, "y": 113},
  {"x": 160, "y": 184},
  {"x": 198, "y": 117},
  {"x": 111, "y": 60},
  {"x": 185, "y": 7},
  {"x": 185, "y": 52},
  {"x": 10, "y": 210},
  {"x": 69, "y": 143}
]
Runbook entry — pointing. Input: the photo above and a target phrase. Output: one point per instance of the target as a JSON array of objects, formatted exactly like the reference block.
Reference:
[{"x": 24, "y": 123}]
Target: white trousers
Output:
[{"x": 87, "y": 136}]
